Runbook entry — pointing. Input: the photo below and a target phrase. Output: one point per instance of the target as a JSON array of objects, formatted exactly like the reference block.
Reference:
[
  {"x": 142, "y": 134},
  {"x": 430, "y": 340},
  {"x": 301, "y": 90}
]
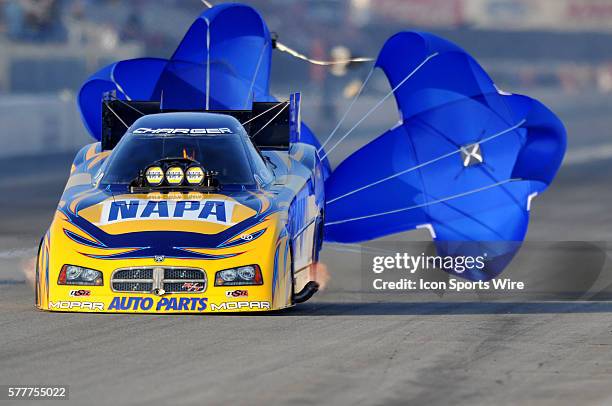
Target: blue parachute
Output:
[
  {"x": 222, "y": 63},
  {"x": 464, "y": 162}
]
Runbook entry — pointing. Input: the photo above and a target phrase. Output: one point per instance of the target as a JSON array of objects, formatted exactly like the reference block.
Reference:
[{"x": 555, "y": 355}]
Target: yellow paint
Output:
[{"x": 261, "y": 251}]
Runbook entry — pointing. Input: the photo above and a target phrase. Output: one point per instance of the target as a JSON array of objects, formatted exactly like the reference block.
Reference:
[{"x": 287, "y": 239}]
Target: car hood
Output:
[
  {"x": 194, "y": 212},
  {"x": 187, "y": 226}
]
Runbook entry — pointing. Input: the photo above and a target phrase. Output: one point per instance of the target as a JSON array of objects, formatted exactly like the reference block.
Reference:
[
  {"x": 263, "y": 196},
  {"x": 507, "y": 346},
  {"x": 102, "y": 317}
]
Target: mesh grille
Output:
[
  {"x": 184, "y": 274},
  {"x": 137, "y": 273},
  {"x": 180, "y": 280},
  {"x": 133, "y": 286}
]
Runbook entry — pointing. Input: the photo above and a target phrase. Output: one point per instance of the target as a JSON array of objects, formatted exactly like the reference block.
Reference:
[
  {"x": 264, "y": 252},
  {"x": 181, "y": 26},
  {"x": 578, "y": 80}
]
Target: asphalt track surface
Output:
[{"x": 341, "y": 348}]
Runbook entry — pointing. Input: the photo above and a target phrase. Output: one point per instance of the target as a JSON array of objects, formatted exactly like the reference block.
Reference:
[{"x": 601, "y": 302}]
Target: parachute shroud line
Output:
[
  {"x": 418, "y": 206},
  {"x": 380, "y": 103},
  {"x": 275, "y": 106},
  {"x": 422, "y": 165},
  {"x": 350, "y": 107},
  {"x": 285, "y": 105},
  {"x": 252, "y": 85}
]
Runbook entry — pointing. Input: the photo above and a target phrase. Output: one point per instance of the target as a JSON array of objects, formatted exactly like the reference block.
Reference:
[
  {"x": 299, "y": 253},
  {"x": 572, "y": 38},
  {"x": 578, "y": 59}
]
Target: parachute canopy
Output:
[
  {"x": 222, "y": 63},
  {"x": 464, "y": 162}
]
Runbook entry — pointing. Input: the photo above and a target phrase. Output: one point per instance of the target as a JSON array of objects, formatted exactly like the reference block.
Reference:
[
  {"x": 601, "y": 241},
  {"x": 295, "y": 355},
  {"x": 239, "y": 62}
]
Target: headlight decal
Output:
[
  {"x": 79, "y": 276},
  {"x": 175, "y": 175},
  {"x": 154, "y": 175},
  {"x": 248, "y": 275}
]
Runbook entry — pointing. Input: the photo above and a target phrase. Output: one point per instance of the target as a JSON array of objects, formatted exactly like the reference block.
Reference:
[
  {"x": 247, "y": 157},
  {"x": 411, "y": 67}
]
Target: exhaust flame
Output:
[
  {"x": 28, "y": 267},
  {"x": 320, "y": 274},
  {"x": 187, "y": 156}
]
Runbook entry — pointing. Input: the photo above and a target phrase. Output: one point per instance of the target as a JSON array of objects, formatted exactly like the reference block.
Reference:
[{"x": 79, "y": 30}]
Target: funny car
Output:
[{"x": 186, "y": 214}]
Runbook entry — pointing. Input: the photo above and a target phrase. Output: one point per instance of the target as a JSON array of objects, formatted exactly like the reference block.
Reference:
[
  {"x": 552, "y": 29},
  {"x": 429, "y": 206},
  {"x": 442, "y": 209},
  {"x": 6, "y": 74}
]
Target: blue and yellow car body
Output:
[{"x": 191, "y": 236}]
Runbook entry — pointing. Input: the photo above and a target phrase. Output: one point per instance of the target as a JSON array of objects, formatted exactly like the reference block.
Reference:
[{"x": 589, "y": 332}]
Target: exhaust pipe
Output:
[{"x": 309, "y": 290}]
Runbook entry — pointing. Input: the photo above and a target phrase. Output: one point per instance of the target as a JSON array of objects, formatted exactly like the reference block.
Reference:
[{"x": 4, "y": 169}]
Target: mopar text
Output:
[
  {"x": 65, "y": 305},
  {"x": 239, "y": 306}
]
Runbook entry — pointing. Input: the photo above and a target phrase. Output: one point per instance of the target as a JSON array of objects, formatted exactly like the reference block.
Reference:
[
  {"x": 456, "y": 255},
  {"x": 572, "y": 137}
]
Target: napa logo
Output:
[{"x": 211, "y": 211}]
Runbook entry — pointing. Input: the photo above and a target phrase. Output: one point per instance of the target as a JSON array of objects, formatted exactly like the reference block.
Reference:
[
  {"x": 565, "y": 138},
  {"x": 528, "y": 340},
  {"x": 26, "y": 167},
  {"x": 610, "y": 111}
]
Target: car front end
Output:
[{"x": 165, "y": 265}]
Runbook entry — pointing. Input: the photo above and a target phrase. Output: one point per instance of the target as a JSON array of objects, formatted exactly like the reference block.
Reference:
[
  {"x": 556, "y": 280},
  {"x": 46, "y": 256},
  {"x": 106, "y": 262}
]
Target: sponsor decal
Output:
[
  {"x": 80, "y": 292},
  {"x": 193, "y": 287},
  {"x": 66, "y": 305},
  {"x": 237, "y": 293},
  {"x": 190, "y": 131},
  {"x": 154, "y": 175},
  {"x": 211, "y": 211},
  {"x": 175, "y": 175},
  {"x": 195, "y": 175},
  {"x": 177, "y": 304},
  {"x": 239, "y": 306}
]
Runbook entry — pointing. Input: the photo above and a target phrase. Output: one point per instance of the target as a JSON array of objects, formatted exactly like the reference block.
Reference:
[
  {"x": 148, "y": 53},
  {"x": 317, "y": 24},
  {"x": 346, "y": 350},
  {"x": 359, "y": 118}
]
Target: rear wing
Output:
[{"x": 271, "y": 125}]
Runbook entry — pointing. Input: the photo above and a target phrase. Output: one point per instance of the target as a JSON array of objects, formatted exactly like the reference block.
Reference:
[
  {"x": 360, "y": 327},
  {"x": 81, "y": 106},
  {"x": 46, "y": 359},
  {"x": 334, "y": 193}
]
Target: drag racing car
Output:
[
  {"x": 204, "y": 193},
  {"x": 186, "y": 212}
]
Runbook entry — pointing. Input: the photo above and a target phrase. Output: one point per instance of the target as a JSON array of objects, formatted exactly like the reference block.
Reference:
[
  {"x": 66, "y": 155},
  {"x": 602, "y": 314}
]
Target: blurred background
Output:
[
  {"x": 559, "y": 51},
  {"x": 341, "y": 348}
]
